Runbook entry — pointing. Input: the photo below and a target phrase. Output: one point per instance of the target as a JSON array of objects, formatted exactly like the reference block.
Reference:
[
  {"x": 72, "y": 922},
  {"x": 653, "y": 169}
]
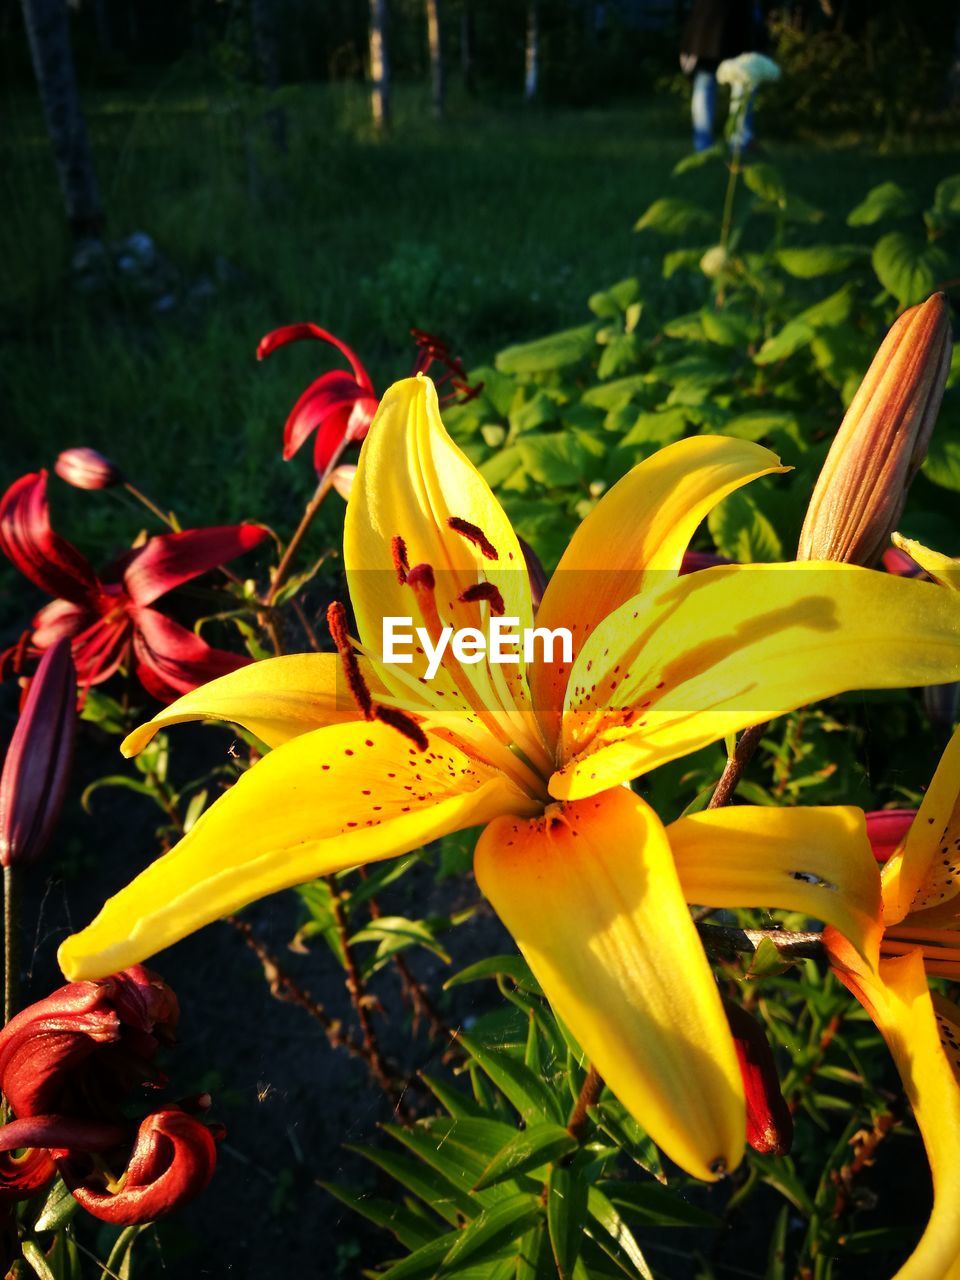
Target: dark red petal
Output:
[
  {"x": 296, "y": 332},
  {"x": 173, "y": 1160},
  {"x": 174, "y": 558},
  {"x": 55, "y": 1132},
  {"x": 58, "y": 620},
  {"x": 38, "y": 759},
  {"x": 172, "y": 660},
  {"x": 101, "y": 649},
  {"x": 41, "y": 555},
  {"x": 886, "y": 828},
  {"x": 21, "y": 1176}
]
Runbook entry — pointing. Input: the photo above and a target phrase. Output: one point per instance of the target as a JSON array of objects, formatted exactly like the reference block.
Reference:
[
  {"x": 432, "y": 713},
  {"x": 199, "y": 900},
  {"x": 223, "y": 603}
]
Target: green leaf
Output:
[
  {"x": 400, "y": 929},
  {"x": 459, "y": 1149},
  {"x": 57, "y": 1209},
  {"x": 614, "y": 1119},
  {"x": 888, "y": 200},
  {"x": 765, "y": 181},
  {"x": 757, "y": 424},
  {"x": 116, "y": 780},
  {"x": 529, "y": 1149},
  {"x": 423, "y": 1263},
  {"x": 777, "y": 1257},
  {"x": 531, "y": 1097},
  {"x": 793, "y": 337},
  {"x": 35, "y": 1256},
  {"x": 674, "y": 217},
  {"x": 657, "y": 429},
  {"x": 819, "y": 260},
  {"x": 946, "y": 198},
  {"x": 513, "y": 967},
  {"x": 567, "y": 1192},
  {"x": 657, "y": 1205},
  {"x": 742, "y": 532},
  {"x": 492, "y": 1232},
  {"x": 908, "y": 266},
  {"x": 606, "y": 1216},
  {"x": 411, "y": 1231},
  {"x": 120, "y": 1259},
  {"x": 942, "y": 463},
  {"x": 697, "y": 159},
  {"x": 558, "y": 459},
  {"x": 535, "y": 1259},
  {"x": 555, "y": 351},
  {"x": 681, "y": 260},
  {"x": 443, "y": 1196}
]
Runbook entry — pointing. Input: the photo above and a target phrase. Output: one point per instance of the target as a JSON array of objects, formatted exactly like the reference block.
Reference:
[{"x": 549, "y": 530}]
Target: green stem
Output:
[
  {"x": 728, "y": 199},
  {"x": 11, "y": 949},
  {"x": 293, "y": 546},
  {"x": 165, "y": 518}
]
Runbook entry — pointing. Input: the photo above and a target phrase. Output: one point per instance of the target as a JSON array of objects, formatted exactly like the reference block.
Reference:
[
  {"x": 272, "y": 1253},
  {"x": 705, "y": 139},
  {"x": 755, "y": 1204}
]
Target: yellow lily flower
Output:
[{"x": 370, "y": 759}]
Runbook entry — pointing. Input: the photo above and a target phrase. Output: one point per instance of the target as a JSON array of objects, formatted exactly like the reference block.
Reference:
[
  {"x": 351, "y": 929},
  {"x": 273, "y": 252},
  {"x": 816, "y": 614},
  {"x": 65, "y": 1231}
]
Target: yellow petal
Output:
[
  {"x": 912, "y": 1023},
  {"x": 642, "y": 524},
  {"x": 924, "y": 875},
  {"x": 411, "y": 481},
  {"x": 322, "y": 802},
  {"x": 716, "y": 651},
  {"x": 945, "y": 569},
  {"x": 590, "y": 893},
  {"x": 815, "y": 860},
  {"x": 276, "y": 699}
]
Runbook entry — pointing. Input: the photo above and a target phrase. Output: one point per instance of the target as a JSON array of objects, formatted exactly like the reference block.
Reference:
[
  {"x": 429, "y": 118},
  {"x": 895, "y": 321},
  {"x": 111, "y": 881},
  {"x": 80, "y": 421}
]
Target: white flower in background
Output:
[{"x": 747, "y": 70}]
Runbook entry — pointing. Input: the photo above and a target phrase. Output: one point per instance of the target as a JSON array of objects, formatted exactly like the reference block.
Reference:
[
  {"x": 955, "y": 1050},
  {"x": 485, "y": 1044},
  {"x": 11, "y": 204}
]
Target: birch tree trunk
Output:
[
  {"x": 48, "y": 33},
  {"x": 435, "y": 42},
  {"x": 379, "y": 64},
  {"x": 531, "y": 79}
]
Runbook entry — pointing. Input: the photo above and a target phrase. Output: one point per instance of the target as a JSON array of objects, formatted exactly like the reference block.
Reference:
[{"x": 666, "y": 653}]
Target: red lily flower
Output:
[
  {"x": 67, "y": 1065},
  {"x": 107, "y": 617},
  {"x": 338, "y": 406}
]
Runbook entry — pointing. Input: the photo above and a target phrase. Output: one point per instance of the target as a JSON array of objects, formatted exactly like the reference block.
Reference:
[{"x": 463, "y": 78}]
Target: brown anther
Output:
[
  {"x": 337, "y": 623},
  {"x": 398, "y": 549},
  {"x": 484, "y": 591},
  {"x": 404, "y": 724},
  {"x": 474, "y": 535},
  {"x": 421, "y": 575}
]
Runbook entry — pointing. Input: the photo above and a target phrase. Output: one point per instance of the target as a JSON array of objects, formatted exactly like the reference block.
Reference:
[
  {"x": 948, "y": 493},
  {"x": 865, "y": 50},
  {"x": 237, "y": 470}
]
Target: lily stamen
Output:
[
  {"x": 398, "y": 549},
  {"x": 484, "y": 591},
  {"x": 474, "y": 535},
  {"x": 337, "y": 624}
]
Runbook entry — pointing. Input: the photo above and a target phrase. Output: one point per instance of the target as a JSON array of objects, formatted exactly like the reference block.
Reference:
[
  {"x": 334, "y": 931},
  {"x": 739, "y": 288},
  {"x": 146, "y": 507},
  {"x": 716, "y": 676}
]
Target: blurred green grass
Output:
[{"x": 491, "y": 227}]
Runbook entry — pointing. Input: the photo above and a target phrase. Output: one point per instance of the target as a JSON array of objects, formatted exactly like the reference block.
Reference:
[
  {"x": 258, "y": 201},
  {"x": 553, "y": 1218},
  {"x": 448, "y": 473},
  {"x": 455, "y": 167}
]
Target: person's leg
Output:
[
  {"x": 741, "y": 111},
  {"x": 703, "y": 107}
]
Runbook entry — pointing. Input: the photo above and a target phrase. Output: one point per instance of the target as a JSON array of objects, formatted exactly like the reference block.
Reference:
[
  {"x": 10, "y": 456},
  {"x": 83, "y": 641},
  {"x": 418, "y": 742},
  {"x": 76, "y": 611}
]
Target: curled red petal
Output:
[
  {"x": 886, "y": 828},
  {"x": 173, "y": 1160},
  {"x": 174, "y": 558},
  {"x": 22, "y": 1175},
  {"x": 296, "y": 332},
  {"x": 326, "y": 404},
  {"x": 27, "y": 539},
  {"x": 172, "y": 660},
  {"x": 38, "y": 760}
]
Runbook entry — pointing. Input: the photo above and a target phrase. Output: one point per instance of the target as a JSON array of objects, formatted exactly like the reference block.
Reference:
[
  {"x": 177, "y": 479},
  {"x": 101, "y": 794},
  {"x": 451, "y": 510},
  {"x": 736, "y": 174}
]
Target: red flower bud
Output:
[
  {"x": 37, "y": 765},
  {"x": 536, "y": 573},
  {"x": 173, "y": 1160},
  {"x": 886, "y": 828},
  {"x": 83, "y": 1048},
  {"x": 769, "y": 1122},
  {"x": 87, "y": 469}
]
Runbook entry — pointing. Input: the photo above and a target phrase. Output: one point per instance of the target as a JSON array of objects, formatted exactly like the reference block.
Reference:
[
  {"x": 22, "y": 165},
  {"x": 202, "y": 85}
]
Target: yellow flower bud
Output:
[{"x": 882, "y": 441}]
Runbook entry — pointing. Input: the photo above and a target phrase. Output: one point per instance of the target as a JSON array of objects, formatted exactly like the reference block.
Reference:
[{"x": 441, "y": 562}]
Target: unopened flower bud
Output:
[
  {"x": 37, "y": 765},
  {"x": 882, "y": 441},
  {"x": 769, "y": 1122},
  {"x": 887, "y": 829},
  {"x": 342, "y": 479},
  {"x": 87, "y": 469}
]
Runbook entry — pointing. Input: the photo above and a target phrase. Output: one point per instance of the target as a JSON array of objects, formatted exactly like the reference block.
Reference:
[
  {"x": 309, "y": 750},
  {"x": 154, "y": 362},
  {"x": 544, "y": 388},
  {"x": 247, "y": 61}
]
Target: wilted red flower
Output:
[
  {"x": 67, "y": 1065},
  {"x": 886, "y": 828},
  {"x": 107, "y": 618},
  {"x": 338, "y": 406},
  {"x": 82, "y": 1048},
  {"x": 37, "y": 763},
  {"x": 769, "y": 1122},
  {"x": 87, "y": 468}
]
